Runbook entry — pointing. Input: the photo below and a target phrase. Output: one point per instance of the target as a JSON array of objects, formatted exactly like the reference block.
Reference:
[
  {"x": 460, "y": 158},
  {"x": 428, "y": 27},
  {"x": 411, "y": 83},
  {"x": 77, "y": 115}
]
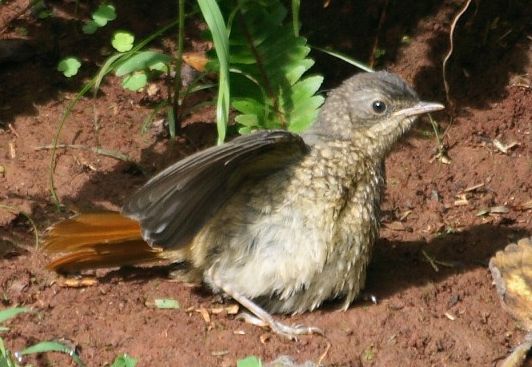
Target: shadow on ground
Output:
[
  {"x": 490, "y": 45},
  {"x": 396, "y": 265}
]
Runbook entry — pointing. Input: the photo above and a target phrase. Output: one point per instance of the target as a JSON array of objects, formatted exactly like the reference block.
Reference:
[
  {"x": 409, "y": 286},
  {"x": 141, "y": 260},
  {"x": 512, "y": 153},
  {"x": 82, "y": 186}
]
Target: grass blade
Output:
[
  {"x": 213, "y": 16},
  {"x": 51, "y": 346},
  {"x": 12, "y": 312},
  {"x": 345, "y": 58}
]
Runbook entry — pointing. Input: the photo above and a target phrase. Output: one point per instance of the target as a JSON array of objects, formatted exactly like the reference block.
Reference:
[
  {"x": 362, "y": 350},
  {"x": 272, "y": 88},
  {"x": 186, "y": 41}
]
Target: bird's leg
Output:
[{"x": 262, "y": 318}]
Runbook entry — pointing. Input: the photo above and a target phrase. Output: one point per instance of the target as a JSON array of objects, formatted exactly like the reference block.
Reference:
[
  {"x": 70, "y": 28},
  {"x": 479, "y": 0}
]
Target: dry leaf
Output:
[
  {"x": 196, "y": 60},
  {"x": 12, "y": 150},
  {"x": 405, "y": 215},
  {"x": 395, "y": 226},
  {"x": 219, "y": 353},
  {"x": 511, "y": 270},
  {"x": 474, "y": 187},
  {"x": 501, "y": 209},
  {"x": 462, "y": 200},
  {"x": 482, "y": 212},
  {"x": 264, "y": 338},
  {"x": 450, "y": 316},
  {"x": 152, "y": 89},
  {"x": 504, "y": 148},
  {"x": 232, "y": 309},
  {"x": 78, "y": 282},
  {"x": 527, "y": 205},
  {"x": 205, "y": 314}
]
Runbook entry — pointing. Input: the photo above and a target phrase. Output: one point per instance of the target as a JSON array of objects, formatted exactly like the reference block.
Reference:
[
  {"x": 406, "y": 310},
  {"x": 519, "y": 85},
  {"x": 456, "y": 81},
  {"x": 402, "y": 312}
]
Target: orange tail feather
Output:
[{"x": 97, "y": 240}]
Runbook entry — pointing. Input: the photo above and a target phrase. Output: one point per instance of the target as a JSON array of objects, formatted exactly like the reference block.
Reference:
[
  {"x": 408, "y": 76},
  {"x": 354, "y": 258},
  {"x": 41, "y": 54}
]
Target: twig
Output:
[
  {"x": 376, "y": 41},
  {"x": 441, "y": 155},
  {"x": 324, "y": 354},
  {"x": 451, "y": 49},
  {"x": 431, "y": 261},
  {"x": 12, "y": 129},
  {"x": 434, "y": 262},
  {"x": 97, "y": 150}
]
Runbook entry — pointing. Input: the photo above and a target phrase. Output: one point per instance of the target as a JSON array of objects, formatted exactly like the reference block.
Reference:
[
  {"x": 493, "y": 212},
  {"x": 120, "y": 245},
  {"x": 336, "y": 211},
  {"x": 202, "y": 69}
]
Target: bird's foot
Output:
[
  {"x": 260, "y": 316},
  {"x": 290, "y": 332}
]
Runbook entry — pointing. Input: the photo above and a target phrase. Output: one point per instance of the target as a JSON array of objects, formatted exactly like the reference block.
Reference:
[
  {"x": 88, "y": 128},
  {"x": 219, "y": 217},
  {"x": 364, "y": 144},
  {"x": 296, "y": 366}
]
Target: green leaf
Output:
[
  {"x": 135, "y": 81},
  {"x": 307, "y": 87},
  {"x": 124, "y": 361},
  {"x": 69, "y": 66},
  {"x": 250, "y": 121},
  {"x": 213, "y": 16},
  {"x": 143, "y": 60},
  {"x": 304, "y": 119},
  {"x": 170, "y": 117},
  {"x": 104, "y": 14},
  {"x": 123, "y": 41},
  {"x": 167, "y": 303},
  {"x": 9, "y": 313},
  {"x": 90, "y": 27},
  {"x": 250, "y": 361},
  {"x": 293, "y": 74},
  {"x": 108, "y": 66},
  {"x": 160, "y": 66},
  {"x": 51, "y": 346},
  {"x": 247, "y": 105},
  {"x": 45, "y": 13},
  {"x": 40, "y": 9},
  {"x": 2, "y": 348}
]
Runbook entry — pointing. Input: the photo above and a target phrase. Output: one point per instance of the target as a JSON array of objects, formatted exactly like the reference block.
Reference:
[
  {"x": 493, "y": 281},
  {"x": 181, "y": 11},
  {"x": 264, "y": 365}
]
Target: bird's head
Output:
[{"x": 370, "y": 108}]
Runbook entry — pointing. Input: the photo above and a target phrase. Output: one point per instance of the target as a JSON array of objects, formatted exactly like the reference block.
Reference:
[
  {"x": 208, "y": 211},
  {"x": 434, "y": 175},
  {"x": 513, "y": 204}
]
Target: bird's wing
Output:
[{"x": 176, "y": 203}]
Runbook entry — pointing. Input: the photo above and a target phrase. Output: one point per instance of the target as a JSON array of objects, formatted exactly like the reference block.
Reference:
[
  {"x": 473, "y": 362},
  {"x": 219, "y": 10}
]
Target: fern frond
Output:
[{"x": 268, "y": 62}]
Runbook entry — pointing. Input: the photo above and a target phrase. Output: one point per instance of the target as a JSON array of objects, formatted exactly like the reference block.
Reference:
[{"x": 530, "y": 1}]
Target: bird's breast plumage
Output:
[{"x": 301, "y": 236}]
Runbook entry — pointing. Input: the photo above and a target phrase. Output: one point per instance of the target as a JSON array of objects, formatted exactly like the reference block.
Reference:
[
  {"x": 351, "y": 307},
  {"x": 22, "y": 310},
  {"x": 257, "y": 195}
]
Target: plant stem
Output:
[
  {"x": 178, "y": 65},
  {"x": 295, "y": 16}
]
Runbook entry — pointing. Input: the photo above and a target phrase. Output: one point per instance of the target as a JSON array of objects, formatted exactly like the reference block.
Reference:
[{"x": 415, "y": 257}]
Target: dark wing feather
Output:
[{"x": 176, "y": 203}]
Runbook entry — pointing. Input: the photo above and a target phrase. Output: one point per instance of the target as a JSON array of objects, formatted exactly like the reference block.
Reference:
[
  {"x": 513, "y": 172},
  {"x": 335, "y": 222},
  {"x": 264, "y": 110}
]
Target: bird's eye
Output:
[{"x": 378, "y": 106}]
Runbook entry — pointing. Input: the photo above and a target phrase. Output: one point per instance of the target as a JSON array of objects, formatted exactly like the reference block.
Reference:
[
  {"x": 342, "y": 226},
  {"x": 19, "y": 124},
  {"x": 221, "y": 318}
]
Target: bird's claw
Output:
[{"x": 290, "y": 332}]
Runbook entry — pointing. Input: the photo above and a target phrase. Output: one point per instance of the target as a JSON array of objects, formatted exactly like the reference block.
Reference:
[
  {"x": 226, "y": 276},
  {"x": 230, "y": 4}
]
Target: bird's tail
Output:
[{"x": 98, "y": 240}]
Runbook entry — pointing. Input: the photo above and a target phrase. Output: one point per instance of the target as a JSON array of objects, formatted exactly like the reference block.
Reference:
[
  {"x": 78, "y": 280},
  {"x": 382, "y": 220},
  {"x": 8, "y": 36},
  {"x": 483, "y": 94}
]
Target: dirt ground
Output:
[{"x": 448, "y": 315}]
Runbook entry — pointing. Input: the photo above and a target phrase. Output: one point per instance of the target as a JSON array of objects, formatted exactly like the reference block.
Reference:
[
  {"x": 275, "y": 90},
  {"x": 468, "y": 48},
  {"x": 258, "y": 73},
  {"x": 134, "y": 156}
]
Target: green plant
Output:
[
  {"x": 69, "y": 66},
  {"x": 259, "y": 57},
  {"x": 10, "y": 359},
  {"x": 250, "y": 361},
  {"x": 101, "y": 16},
  {"x": 267, "y": 61},
  {"x": 13, "y": 359},
  {"x": 124, "y": 361}
]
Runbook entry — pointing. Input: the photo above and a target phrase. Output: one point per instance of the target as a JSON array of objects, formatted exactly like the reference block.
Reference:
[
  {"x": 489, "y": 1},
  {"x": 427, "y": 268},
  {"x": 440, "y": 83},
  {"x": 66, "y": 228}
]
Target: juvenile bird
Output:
[{"x": 279, "y": 222}]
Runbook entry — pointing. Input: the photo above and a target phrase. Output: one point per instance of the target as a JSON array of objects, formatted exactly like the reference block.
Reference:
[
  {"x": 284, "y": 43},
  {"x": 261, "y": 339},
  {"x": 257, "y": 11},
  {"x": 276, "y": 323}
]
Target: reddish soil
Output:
[{"x": 424, "y": 317}]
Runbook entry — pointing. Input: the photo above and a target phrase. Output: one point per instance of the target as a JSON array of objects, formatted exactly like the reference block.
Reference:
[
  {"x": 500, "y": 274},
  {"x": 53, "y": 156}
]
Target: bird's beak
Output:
[{"x": 419, "y": 109}]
